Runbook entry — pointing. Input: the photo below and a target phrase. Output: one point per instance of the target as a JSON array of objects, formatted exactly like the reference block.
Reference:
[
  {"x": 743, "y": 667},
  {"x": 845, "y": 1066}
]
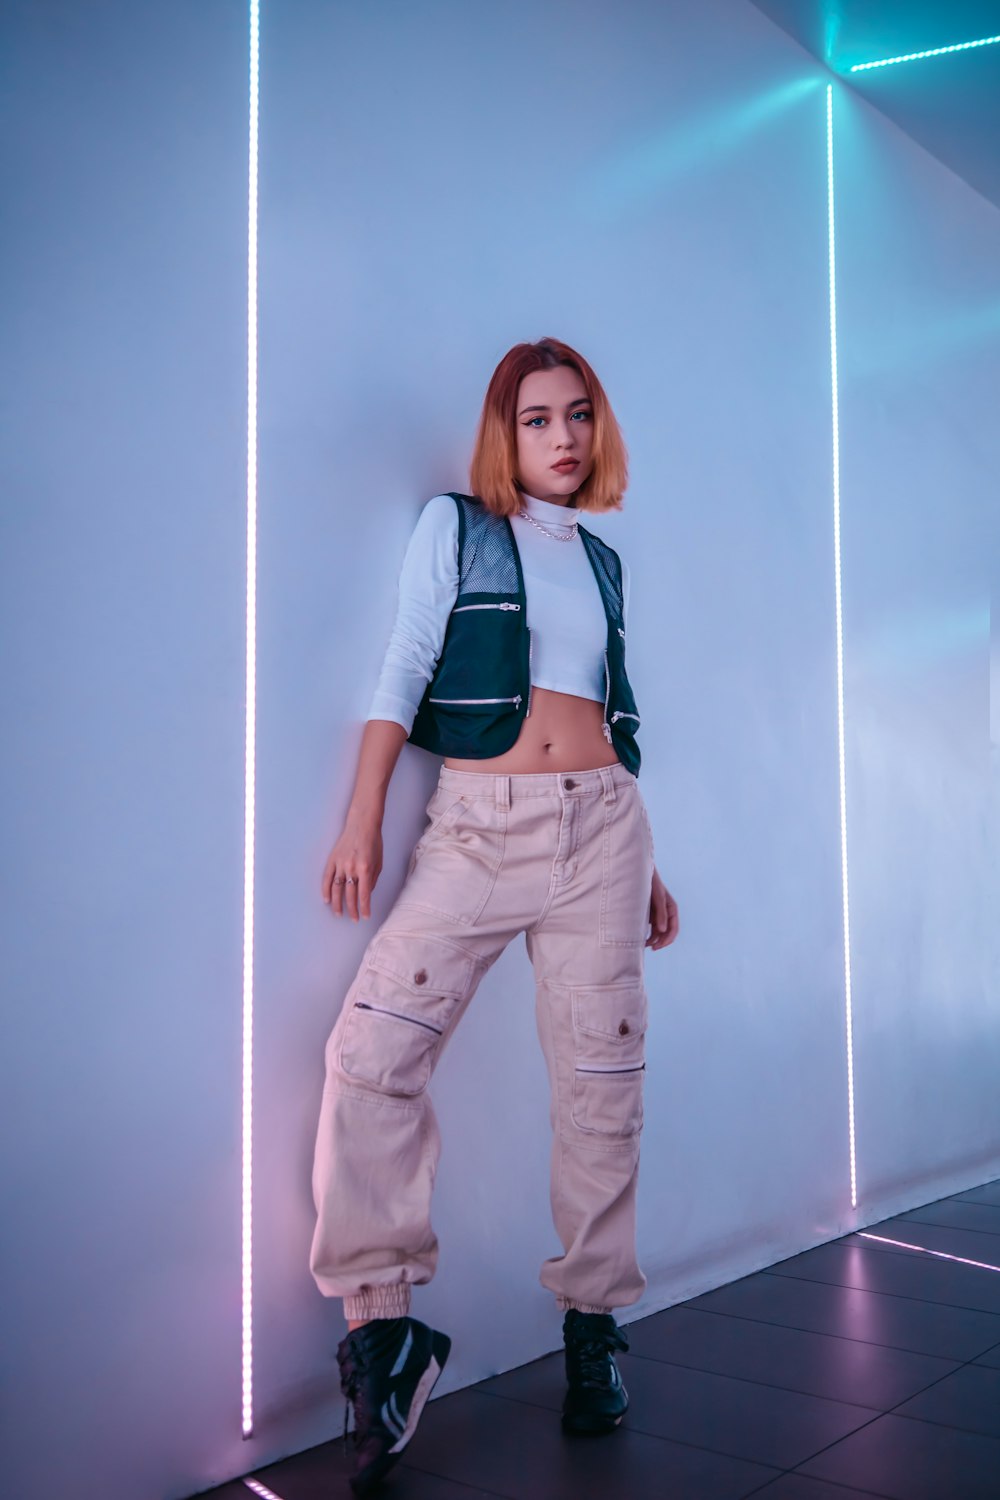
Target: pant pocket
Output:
[
  {"x": 628, "y": 871},
  {"x": 454, "y": 866},
  {"x": 609, "y": 1030},
  {"x": 405, "y": 1002}
]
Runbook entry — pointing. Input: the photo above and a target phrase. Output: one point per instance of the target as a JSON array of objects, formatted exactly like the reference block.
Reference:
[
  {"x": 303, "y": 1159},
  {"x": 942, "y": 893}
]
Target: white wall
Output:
[
  {"x": 121, "y": 760},
  {"x": 647, "y": 182},
  {"x": 920, "y": 336}
]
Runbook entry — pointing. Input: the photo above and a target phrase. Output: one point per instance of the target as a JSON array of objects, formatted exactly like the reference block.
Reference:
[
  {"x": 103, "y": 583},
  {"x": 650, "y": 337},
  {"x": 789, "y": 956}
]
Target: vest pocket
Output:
[
  {"x": 476, "y": 702},
  {"x": 609, "y": 1029}
]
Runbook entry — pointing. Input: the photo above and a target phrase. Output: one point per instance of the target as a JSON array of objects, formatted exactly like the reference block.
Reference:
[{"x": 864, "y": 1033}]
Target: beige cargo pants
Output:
[{"x": 566, "y": 859}]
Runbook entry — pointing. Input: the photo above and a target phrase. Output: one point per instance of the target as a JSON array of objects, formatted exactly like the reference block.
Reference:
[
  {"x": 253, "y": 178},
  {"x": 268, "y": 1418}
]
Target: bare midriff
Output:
[{"x": 562, "y": 733}]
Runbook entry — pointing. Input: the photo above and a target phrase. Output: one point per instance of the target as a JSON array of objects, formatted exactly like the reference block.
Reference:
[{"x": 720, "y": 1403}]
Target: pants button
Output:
[
  {"x": 623, "y": 1029},
  {"x": 569, "y": 785}
]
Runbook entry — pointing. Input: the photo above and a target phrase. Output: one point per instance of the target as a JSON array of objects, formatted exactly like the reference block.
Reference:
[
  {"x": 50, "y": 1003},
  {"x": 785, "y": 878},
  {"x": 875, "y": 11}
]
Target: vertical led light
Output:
[
  {"x": 840, "y": 642},
  {"x": 251, "y": 733}
]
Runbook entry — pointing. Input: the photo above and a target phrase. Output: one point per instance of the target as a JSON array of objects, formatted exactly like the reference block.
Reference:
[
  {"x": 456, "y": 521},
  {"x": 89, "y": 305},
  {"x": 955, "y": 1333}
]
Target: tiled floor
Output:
[{"x": 858, "y": 1368}]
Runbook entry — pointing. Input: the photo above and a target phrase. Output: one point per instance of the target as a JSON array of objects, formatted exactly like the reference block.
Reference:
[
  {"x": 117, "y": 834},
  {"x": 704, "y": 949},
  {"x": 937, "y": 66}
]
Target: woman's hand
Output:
[
  {"x": 662, "y": 915},
  {"x": 354, "y": 866}
]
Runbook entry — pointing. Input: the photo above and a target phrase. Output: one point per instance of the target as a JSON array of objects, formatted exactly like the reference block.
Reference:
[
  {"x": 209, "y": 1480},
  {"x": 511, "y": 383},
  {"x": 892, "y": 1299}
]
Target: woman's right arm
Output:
[
  {"x": 428, "y": 586},
  {"x": 358, "y": 851}
]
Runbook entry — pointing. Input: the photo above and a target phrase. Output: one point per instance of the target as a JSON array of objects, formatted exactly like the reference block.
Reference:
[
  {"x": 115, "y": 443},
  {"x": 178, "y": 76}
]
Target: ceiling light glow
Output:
[{"x": 887, "y": 62}]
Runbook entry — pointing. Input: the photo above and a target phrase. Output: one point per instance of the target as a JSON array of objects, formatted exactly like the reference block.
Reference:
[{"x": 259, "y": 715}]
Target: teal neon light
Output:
[{"x": 986, "y": 41}]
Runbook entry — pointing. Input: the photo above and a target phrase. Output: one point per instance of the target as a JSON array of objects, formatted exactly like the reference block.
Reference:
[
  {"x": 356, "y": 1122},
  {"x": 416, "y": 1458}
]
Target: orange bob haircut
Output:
[{"x": 494, "y": 458}]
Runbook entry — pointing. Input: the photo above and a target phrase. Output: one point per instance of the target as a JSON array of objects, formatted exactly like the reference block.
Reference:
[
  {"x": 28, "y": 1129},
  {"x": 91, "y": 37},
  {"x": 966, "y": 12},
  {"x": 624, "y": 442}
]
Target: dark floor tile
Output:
[
  {"x": 519, "y": 1451},
  {"x": 738, "y": 1417},
  {"x": 988, "y": 1193},
  {"x": 857, "y": 1263},
  {"x": 801, "y": 1487},
  {"x": 984, "y": 1218},
  {"x": 318, "y": 1471},
  {"x": 908, "y": 1460},
  {"x": 849, "y": 1313},
  {"x": 813, "y": 1363},
  {"x": 969, "y": 1399},
  {"x": 234, "y": 1490},
  {"x": 969, "y": 1243},
  {"x": 322, "y": 1474}
]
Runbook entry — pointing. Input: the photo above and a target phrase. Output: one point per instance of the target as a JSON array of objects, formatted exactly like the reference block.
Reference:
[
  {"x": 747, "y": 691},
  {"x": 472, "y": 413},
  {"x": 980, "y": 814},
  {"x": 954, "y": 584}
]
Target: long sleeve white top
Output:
[{"x": 565, "y": 612}]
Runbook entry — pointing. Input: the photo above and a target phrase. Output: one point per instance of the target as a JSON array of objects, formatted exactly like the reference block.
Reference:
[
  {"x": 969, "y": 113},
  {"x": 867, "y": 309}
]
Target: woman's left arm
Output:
[{"x": 663, "y": 918}]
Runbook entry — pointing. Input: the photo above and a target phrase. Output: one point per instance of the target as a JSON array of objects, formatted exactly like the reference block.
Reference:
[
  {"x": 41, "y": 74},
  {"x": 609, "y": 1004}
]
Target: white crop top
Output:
[{"x": 565, "y": 613}]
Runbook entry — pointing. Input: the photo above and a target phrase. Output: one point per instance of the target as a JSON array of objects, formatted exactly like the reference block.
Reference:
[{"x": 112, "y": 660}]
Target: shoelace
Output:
[
  {"x": 591, "y": 1355},
  {"x": 350, "y": 1386}
]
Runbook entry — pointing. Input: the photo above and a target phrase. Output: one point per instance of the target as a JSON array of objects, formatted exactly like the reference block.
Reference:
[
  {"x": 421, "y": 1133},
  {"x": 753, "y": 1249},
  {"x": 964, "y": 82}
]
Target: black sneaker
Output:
[
  {"x": 388, "y": 1368},
  {"x": 596, "y": 1400}
]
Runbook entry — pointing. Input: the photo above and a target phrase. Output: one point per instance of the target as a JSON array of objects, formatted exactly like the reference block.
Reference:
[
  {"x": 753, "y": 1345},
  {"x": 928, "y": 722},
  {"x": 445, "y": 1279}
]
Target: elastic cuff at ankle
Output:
[
  {"x": 565, "y": 1303},
  {"x": 379, "y": 1302}
]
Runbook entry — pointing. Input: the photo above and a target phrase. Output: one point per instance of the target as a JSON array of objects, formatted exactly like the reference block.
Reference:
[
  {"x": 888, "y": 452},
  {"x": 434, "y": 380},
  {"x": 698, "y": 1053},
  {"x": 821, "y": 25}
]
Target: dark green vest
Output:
[{"x": 480, "y": 693}]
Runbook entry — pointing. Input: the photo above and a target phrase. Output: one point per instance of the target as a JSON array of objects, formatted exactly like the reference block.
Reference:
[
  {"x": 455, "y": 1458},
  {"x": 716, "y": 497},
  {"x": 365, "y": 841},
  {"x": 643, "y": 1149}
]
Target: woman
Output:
[{"x": 508, "y": 658}]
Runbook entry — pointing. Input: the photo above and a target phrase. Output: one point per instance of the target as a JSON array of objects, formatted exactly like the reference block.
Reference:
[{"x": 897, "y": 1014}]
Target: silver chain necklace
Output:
[{"x": 552, "y": 535}]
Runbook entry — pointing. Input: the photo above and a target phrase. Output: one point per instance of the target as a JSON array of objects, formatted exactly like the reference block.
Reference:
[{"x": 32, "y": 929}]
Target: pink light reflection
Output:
[{"x": 981, "y": 1265}]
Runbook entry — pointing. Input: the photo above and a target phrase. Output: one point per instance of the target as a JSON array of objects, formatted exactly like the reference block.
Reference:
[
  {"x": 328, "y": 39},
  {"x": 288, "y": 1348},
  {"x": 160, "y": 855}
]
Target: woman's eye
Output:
[
  {"x": 531, "y": 422},
  {"x": 584, "y": 414}
]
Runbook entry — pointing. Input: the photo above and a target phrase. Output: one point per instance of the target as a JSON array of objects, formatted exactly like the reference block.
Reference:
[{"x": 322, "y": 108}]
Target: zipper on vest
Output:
[
  {"x": 527, "y": 712},
  {"x": 383, "y": 1010},
  {"x": 621, "y": 632},
  {"x": 619, "y": 715},
  {"x": 461, "y": 608},
  {"x": 515, "y": 700},
  {"x": 607, "y": 695}
]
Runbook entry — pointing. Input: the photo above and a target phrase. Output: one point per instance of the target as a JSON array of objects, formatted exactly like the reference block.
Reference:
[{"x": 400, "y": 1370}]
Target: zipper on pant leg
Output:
[{"x": 397, "y": 1015}]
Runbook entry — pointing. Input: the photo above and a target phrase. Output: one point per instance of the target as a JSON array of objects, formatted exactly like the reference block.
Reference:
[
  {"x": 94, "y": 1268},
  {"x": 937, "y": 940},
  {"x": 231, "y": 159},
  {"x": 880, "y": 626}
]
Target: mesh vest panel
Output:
[
  {"x": 488, "y": 565},
  {"x": 607, "y": 565}
]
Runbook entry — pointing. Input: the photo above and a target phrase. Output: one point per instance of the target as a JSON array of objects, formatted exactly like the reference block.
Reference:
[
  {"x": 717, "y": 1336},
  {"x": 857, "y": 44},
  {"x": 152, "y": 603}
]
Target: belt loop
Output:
[
  {"x": 503, "y": 792},
  {"x": 608, "y": 783}
]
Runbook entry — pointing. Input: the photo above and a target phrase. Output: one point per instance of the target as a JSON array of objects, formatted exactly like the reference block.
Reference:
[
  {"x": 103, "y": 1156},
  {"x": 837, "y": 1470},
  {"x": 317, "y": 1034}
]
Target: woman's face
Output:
[{"x": 555, "y": 431}]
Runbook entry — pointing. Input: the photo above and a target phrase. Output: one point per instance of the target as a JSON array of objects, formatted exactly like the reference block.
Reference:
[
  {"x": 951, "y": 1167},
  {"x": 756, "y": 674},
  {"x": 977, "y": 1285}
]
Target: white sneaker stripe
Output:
[
  {"x": 401, "y": 1356},
  {"x": 424, "y": 1387},
  {"x": 393, "y": 1423}
]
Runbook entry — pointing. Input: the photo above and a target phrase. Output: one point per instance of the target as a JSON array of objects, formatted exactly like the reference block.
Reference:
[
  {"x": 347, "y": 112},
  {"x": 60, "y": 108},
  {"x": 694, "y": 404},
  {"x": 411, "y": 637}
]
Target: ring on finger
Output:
[
  {"x": 350, "y": 880},
  {"x": 339, "y": 881}
]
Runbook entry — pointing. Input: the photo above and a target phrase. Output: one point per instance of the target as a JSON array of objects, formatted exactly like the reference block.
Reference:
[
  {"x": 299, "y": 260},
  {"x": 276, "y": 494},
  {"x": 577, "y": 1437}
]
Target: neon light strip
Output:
[
  {"x": 261, "y": 1489},
  {"x": 986, "y": 41},
  {"x": 251, "y": 731},
  {"x": 840, "y": 646},
  {"x": 981, "y": 1265}
]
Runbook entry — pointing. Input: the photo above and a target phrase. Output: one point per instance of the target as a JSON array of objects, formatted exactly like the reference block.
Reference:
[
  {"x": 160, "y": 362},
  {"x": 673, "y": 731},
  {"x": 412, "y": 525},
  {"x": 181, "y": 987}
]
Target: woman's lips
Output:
[{"x": 567, "y": 465}]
